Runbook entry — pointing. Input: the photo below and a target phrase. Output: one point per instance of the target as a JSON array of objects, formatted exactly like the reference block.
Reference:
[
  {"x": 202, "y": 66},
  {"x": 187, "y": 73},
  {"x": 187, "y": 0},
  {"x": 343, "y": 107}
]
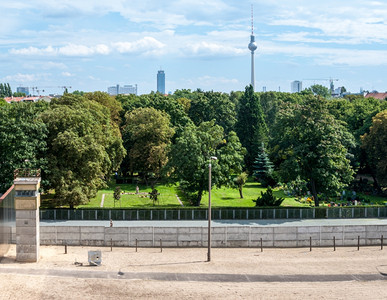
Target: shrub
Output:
[{"x": 268, "y": 199}]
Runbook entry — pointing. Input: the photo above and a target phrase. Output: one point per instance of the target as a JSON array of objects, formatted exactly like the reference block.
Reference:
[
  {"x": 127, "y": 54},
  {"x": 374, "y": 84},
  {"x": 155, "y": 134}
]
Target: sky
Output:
[{"x": 91, "y": 44}]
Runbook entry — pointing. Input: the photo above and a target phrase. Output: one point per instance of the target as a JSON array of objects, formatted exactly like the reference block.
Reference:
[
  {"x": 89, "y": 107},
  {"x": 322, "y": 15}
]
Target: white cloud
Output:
[
  {"x": 205, "y": 48},
  {"x": 211, "y": 80},
  {"x": 25, "y": 78},
  {"x": 68, "y": 50},
  {"x": 208, "y": 82},
  {"x": 147, "y": 44},
  {"x": 76, "y": 50},
  {"x": 328, "y": 56},
  {"x": 34, "y": 51},
  {"x": 53, "y": 65},
  {"x": 347, "y": 23},
  {"x": 67, "y": 74}
]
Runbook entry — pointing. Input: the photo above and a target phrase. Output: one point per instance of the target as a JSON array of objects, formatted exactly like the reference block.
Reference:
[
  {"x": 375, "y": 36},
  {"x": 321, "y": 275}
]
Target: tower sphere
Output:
[{"x": 253, "y": 45}]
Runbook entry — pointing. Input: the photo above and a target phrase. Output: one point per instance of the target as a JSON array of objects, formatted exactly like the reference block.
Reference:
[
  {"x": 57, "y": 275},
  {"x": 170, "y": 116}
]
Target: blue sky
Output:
[{"x": 90, "y": 45}]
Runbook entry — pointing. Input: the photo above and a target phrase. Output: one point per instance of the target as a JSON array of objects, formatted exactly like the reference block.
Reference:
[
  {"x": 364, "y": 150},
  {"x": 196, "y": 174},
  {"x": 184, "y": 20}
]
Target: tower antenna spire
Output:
[
  {"x": 252, "y": 47},
  {"x": 252, "y": 19}
]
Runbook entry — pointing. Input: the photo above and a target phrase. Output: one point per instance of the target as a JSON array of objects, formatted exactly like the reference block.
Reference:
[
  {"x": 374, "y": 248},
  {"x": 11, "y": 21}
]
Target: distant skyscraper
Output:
[
  {"x": 118, "y": 90},
  {"x": 161, "y": 82},
  {"x": 113, "y": 90},
  {"x": 23, "y": 89},
  {"x": 128, "y": 89},
  {"x": 296, "y": 86},
  {"x": 252, "y": 47}
]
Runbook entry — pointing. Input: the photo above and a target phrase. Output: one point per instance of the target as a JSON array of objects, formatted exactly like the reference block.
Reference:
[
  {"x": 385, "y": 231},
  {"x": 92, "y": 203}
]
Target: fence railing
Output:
[
  {"x": 217, "y": 213},
  {"x": 7, "y": 219}
]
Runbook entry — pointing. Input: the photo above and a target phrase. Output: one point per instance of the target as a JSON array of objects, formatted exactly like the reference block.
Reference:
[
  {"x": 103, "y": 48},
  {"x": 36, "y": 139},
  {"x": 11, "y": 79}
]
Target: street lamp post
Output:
[{"x": 209, "y": 208}]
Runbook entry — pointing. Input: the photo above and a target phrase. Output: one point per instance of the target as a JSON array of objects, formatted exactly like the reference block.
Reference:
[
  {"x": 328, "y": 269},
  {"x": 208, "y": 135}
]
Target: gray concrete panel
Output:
[
  {"x": 285, "y": 236},
  {"x": 353, "y": 228},
  {"x": 285, "y": 230},
  {"x": 45, "y": 229},
  {"x": 92, "y": 236},
  {"x": 66, "y": 229},
  {"x": 68, "y": 236},
  {"x": 116, "y": 230},
  {"x": 116, "y": 237},
  {"x": 332, "y": 229},
  {"x": 189, "y": 237},
  {"x": 92, "y": 229},
  {"x": 262, "y": 230},
  {"x": 309, "y": 229}
]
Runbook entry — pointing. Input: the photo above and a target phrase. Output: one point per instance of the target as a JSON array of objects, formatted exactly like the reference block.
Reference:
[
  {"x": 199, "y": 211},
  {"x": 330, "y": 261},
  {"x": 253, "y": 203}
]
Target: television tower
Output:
[{"x": 252, "y": 47}]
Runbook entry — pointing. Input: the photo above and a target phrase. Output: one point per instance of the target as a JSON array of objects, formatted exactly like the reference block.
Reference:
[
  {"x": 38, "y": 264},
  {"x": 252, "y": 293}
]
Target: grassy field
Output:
[
  {"x": 167, "y": 197},
  {"x": 224, "y": 197}
]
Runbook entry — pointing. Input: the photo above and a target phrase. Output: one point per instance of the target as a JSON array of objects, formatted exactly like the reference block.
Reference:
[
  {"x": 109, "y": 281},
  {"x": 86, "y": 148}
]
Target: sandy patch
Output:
[{"x": 300, "y": 261}]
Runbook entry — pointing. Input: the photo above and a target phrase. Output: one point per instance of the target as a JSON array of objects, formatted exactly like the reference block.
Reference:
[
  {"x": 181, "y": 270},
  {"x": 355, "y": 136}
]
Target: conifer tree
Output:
[
  {"x": 251, "y": 127},
  {"x": 262, "y": 166},
  {"x": 9, "y": 90}
]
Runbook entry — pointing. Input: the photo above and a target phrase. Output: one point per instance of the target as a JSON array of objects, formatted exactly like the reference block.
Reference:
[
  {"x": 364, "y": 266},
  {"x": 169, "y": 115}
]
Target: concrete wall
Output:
[
  {"x": 27, "y": 235},
  {"x": 230, "y": 236}
]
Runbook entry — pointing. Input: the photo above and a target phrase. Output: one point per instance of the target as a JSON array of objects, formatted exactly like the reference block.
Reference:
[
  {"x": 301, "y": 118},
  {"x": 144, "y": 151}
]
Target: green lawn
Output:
[
  {"x": 223, "y": 197},
  {"x": 166, "y": 199},
  {"x": 228, "y": 197}
]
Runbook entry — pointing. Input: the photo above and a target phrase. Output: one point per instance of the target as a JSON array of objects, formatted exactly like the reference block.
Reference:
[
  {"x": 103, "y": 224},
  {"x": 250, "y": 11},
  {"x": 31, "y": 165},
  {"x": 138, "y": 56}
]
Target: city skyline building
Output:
[
  {"x": 252, "y": 47},
  {"x": 161, "y": 82},
  {"x": 296, "y": 86},
  {"x": 23, "y": 89},
  {"x": 122, "y": 90},
  {"x": 128, "y": 89}
]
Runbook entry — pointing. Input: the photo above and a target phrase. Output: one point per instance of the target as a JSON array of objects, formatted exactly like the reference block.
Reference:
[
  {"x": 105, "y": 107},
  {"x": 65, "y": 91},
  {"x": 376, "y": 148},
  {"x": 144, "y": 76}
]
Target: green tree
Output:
[
  {"x": 267, "y": 198},
  {"x": 79, "y": 93},
  {"x": 320, "y": 90},
  {"x": 19, "y": 94},
  {"x": 313, "y": 146},
  {"x": 207, "y": 106},
  {"x": 175, "y": 110},
  {"x": 190, "y": 155},
  {"x": 240, "y": 181},
  {"x": 251, "y": 127},
  {"x": 186, "y": 103},
  {"x": 147, "y": 135},
  {"x": 271, "y": 103},
  {"x": 357, "y": 113},
  {"x": 3, "y": 102},
  {"x": 22, "y": 140},
  {"x": 117, "y": 195},
  {"x": 153, "y": 195},
  {"x": 263, "y": 167},
  {"x": 83, "y": 148},
  {"x": 9, "y": 90},
  {"x": 108, "y": 101},
  {"x": 375, "y": 145}
]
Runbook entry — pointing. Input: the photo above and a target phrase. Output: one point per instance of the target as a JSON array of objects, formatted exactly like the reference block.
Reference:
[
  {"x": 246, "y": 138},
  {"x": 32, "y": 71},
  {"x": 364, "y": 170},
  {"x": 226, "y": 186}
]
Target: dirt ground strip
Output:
[{"x": 56, "y": 276}]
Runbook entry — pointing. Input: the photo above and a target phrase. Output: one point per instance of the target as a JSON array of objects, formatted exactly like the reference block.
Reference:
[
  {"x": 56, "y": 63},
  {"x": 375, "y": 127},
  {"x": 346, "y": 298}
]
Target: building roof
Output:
[
  {"x": 381, "y": 96},
  {"x": 28, "y": 99},
  {"x": 13, "y": 99}
]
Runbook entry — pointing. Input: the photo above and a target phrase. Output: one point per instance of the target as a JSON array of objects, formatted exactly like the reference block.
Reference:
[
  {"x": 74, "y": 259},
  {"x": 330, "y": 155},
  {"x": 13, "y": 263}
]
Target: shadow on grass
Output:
[
  {"x": 228, "y": 198},
  {"x": 255, "y": 186}
]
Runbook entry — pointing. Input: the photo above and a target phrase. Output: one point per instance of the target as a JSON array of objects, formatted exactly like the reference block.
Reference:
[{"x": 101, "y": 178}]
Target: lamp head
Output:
[{"x": 213, "y": 158}]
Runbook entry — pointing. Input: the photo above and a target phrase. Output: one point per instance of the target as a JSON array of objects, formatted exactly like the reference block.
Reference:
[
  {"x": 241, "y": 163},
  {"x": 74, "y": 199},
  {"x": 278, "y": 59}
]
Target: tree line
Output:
[
  {"x": 80, "y": 139},
  {"x": 5, "y": 90}
]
